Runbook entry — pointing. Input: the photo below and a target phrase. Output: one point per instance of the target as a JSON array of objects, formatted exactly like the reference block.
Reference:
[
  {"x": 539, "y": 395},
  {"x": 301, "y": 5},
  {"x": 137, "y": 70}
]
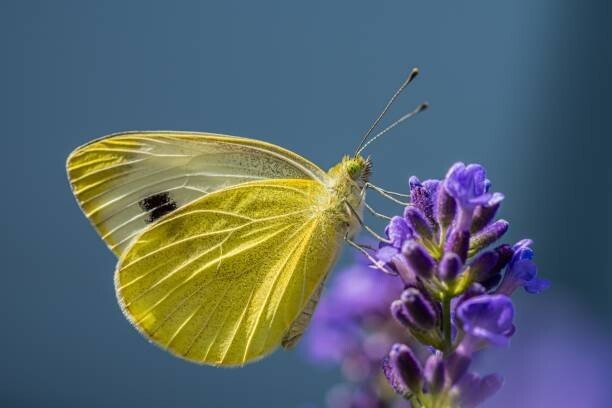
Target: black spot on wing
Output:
[{"x": 157, "y": 205}]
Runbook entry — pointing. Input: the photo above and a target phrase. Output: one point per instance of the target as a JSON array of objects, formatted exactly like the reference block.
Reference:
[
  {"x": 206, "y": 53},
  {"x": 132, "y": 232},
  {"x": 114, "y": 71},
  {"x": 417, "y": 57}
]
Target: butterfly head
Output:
[{"x": 356, "y": 168}]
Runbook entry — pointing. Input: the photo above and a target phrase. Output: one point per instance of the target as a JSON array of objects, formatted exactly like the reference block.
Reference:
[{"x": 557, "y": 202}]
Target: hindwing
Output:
[{"x": 221, "y": 280}]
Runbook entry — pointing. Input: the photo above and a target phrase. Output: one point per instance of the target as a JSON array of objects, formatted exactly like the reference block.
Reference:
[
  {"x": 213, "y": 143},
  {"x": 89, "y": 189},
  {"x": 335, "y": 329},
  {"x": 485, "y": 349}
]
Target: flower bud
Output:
[
  {"x": 418, "y": 309},
  {"x": 417, "y": 221},
  {"x": 458, "y": 242},
  {"x": 414, "y": 183},
  {"x": 505, "y": 253},
  {"x": 449, "y": 267},
  {"x": 393, "y": 377},
  {"x": 446, "y": 208},
  {"x": 418, "y": 259},
  {"x": 488, "y": 235},
  {"x": 406, "y": 366},
  {"x": 435, "y": 373},
  {"x": 399, "y": 312},
  {"x": 483, "y": 215},
  {"x": 483, "y": 267}
]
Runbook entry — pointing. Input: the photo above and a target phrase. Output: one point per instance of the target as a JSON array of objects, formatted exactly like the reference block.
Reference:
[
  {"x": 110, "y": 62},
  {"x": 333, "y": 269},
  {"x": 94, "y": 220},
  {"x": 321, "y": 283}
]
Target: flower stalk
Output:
[{"x": 446, "y": 326}]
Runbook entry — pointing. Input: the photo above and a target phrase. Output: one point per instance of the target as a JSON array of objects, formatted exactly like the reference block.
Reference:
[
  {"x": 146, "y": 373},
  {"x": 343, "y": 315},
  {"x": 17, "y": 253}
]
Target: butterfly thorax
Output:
[{"x": 347, "y": 180}]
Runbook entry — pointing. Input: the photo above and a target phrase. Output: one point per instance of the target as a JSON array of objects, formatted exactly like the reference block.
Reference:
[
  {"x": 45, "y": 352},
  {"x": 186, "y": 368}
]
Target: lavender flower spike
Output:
[{"x": 451, "y": 299}]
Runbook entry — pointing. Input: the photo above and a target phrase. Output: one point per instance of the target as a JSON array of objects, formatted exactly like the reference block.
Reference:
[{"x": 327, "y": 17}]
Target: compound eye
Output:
[{"x": 353, "y": 169}]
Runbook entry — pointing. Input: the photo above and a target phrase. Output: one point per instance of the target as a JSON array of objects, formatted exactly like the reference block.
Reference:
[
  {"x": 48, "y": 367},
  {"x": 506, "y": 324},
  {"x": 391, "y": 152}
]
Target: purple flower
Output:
[
  {"x": 469, "y": 187},
  {"x": 522, "y": 271},
  {"x": 486, "y": 319}
]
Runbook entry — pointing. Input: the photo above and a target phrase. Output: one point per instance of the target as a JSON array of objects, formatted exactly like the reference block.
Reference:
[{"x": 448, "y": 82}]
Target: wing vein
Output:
[{"x": 260, "y": 314}]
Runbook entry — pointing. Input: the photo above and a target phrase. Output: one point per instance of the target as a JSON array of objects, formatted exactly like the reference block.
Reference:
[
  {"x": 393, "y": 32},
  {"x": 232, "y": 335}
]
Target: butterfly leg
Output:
[
  {"x": 376, "y": 214},
  {"x": 369, "y": 208},
  {"x": 364, "y": 226},
  {"x": 362, "y": 248},
  {"x": 387, "y": 193}
]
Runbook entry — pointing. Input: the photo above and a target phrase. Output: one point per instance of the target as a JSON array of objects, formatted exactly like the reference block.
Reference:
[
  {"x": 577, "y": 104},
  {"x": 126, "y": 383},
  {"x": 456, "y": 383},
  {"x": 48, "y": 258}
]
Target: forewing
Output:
[
  {"x": 221, "y": 280},
  {"x": 126, "y": 181}
]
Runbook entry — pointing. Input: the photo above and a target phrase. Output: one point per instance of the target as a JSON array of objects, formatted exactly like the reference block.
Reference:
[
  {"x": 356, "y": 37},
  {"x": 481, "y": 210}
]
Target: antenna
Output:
[
  {"x": 419, "y": 108},
  {"x": 413, "y": 74}
]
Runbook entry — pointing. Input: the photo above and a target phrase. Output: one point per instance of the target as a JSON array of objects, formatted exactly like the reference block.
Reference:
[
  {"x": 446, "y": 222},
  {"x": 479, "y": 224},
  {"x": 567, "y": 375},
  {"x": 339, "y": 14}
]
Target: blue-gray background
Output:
[{"x": 523, "y": 87}]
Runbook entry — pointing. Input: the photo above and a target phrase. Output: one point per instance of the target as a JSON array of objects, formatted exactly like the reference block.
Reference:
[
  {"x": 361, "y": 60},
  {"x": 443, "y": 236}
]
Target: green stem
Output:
[
  {"x": 416, "y": 401},
  {"x": 446, "y": 324}
]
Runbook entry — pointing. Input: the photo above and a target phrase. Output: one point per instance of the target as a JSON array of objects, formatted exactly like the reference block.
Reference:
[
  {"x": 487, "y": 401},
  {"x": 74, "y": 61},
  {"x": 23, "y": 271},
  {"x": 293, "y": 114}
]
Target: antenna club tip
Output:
[
  {"x": 423, "y": 106},
  {"x": 413, "y": 74}
]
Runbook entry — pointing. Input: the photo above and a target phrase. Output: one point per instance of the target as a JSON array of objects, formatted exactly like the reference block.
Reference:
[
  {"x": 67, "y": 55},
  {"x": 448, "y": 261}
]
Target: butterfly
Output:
[{"x": 223, "y": 242}]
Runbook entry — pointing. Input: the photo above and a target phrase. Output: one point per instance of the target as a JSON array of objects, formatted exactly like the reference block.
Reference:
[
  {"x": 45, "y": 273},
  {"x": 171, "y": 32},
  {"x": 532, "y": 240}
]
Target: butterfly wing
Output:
[
  {"x": 221, "y": 280},
  {"x": 126, "y": 181},
  {"x": 298, "y": 327}
]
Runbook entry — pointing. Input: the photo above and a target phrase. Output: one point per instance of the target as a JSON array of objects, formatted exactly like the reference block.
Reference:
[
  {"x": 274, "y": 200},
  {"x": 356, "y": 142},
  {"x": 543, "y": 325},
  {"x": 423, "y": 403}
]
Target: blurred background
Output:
[{"x": 522, "y": 87}]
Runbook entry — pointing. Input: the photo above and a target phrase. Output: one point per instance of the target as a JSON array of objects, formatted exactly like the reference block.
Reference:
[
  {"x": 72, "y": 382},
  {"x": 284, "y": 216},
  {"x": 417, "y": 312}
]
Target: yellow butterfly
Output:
[{"x": 223, "y": 242}]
